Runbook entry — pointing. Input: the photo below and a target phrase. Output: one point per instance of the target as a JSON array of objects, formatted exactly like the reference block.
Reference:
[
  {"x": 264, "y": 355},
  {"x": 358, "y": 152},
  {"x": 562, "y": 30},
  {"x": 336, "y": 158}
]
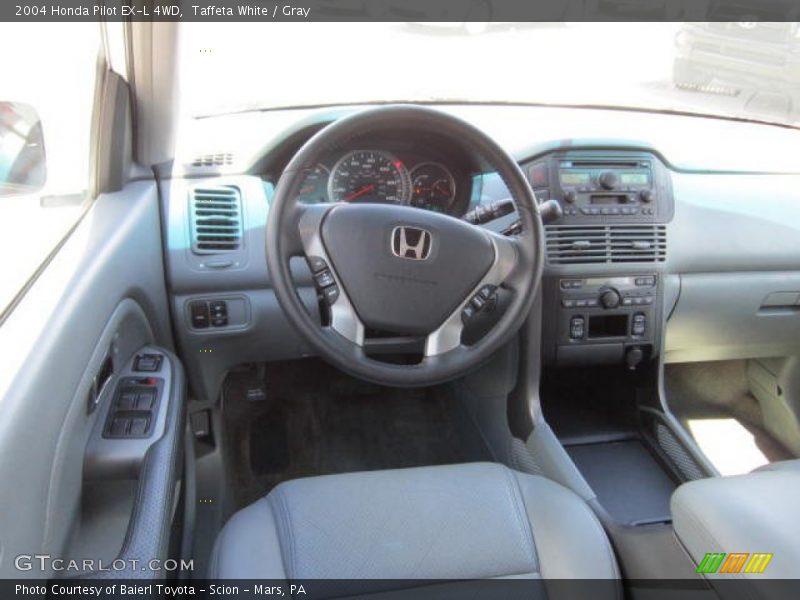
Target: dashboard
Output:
[{"x": 672, "y": 240}]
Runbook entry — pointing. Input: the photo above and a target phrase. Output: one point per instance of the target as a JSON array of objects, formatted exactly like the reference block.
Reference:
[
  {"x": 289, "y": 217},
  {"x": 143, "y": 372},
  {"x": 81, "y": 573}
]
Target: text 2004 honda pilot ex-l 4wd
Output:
[{"x": 389, "y": 308}]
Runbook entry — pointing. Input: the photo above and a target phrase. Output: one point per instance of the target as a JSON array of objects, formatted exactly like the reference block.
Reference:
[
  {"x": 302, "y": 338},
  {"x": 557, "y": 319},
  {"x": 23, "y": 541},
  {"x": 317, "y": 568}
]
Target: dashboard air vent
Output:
[
  {"x": 216, "y": 214},
  {"x": 605, "y": 244}
]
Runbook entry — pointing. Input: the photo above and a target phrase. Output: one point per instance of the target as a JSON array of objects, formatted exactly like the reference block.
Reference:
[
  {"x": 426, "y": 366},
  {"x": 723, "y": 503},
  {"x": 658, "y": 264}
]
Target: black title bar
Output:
[{"x": 746, "y": 11}]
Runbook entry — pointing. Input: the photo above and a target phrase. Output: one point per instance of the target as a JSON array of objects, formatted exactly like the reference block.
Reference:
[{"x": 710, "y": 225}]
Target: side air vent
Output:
[
  {"x": 216, "y": 214},
  {"x": 606, "y": 244},
  {"x": 220, "y": 159}
]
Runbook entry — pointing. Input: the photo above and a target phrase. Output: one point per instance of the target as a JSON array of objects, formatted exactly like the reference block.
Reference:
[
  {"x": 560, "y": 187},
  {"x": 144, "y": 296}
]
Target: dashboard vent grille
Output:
[
  {"x": 219, "y": 159},
  {"x": 606, "y": 244},
  {"x": 216, "y": 214}
]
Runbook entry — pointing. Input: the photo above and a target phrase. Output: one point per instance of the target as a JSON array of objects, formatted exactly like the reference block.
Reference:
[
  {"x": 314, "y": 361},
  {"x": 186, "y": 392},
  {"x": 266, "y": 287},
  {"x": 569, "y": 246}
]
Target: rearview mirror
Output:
[{"x": 23, "y": 169}]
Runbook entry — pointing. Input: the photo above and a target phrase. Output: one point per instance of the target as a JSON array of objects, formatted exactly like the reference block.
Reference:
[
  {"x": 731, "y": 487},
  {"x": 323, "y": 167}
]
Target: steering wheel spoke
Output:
[
  {"x": 344, "y": 319},
  {"x": 447, "y": 336}
]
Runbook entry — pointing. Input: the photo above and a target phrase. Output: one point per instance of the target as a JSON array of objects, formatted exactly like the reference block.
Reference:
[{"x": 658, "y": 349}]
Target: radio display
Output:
[
  {"x": 634, "y": 178},
  {"x": 608, "y": 199},
  {"x": 575, "y": 177}
]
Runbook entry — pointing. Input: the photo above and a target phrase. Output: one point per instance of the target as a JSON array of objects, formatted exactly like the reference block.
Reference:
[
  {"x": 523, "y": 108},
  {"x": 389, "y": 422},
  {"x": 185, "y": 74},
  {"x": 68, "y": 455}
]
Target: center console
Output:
[{"x": 602, "y": 289}]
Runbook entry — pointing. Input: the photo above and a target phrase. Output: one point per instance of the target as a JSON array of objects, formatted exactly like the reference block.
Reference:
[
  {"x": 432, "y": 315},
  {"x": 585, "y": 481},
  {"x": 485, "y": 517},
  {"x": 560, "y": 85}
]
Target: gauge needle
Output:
[{"x": 364, "y": 190}]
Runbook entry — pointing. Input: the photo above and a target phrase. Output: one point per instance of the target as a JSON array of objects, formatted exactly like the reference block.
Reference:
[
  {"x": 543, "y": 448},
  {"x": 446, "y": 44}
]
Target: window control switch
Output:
[
  {"x": 148, "y": 363},
  {"x": 127, "y": 400},
  {"x": 139, "y": 426},
  {"x": 119, "y": 427},
  {"x": 145, "y": 400}
]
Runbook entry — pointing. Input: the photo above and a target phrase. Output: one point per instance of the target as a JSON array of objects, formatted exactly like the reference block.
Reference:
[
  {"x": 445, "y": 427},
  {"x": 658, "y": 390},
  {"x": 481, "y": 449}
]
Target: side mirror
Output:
[{"x": 23, "y": 168}]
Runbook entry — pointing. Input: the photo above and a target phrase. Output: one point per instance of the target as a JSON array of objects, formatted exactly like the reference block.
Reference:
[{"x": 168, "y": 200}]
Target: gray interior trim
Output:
[
  {"x": 734, "y": 223},
  {"x": 730, "y": 315},
  {"x": 749, "y": 513},
  {"x": 113, "y": 146},
  {"x": 113, "y": 256},
  {"x": 154, "y": 53},
  {"x": 111, "y": 458},
  {"x": 554, "y": 461},
  {"x": 148, "y": 533}
]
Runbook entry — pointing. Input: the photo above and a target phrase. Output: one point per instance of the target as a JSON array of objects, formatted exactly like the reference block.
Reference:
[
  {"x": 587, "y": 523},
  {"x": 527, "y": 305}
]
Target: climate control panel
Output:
[{"x": 601, "y": 319}]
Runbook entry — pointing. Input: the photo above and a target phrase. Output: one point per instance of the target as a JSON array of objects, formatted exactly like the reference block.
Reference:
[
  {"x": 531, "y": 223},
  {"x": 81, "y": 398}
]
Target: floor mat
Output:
[
  {"x": 728, "y": 444},
  {"x": 705, "y": 396},
  {"x": 316, "y": 420},
  {"x": 629, "y": 482}
]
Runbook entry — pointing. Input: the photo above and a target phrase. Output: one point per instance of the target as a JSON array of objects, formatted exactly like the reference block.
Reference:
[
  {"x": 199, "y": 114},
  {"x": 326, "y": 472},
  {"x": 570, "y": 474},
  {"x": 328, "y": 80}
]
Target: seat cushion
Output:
[
  {"x": 470, "y": 521},
  {"x": 756, "y": 513}
]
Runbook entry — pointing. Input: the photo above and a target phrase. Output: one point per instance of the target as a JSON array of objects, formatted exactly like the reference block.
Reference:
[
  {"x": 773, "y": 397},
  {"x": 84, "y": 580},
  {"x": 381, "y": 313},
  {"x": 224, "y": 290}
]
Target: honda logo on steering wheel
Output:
[{"x": 411, "y": 242}]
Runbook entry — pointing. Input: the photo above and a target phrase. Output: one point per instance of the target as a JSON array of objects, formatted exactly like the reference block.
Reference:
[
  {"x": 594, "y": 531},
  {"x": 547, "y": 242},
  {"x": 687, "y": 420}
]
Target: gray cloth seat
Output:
[{"x": 469, "y": 521}]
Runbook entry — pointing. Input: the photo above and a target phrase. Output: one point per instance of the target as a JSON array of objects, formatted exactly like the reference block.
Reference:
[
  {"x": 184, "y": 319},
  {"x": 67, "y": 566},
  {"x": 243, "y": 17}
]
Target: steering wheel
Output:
[{"x": 401, "y": 269}]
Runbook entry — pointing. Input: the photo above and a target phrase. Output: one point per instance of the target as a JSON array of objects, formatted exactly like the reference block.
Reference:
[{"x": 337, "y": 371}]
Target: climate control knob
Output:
[
  {"x": 609, "y": 180},
  {"x": 610, "y": 299}
]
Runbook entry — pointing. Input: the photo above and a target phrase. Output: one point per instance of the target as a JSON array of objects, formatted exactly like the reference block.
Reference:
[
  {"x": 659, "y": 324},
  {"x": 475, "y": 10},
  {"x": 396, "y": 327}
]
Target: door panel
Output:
[{"x": 100, "y": 300}]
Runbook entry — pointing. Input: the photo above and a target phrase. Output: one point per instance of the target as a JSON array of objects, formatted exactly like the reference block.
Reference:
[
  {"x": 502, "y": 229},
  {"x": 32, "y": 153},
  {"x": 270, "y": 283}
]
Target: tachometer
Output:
[
  {"x": 369, "y": 176},
  {"x": 433, "y": 187}
]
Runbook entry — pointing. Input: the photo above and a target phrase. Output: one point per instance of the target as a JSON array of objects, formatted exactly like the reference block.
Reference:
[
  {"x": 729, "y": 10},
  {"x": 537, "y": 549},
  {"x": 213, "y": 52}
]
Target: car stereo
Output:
[{"x": 593, "y": 186}]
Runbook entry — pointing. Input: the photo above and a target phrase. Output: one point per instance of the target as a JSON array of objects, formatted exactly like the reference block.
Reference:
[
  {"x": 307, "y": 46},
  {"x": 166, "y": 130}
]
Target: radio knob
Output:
[
  {"x": 608, "y": 179},
  {"x": 646, "y": 196},
  {"x": 570, "y": 196},
  {"x": 609, "y": 299}
]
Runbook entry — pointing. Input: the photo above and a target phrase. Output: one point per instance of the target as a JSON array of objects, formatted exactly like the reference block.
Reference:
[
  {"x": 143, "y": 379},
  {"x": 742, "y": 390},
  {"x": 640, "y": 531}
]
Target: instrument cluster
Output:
[{"x": 379, "y": 176}]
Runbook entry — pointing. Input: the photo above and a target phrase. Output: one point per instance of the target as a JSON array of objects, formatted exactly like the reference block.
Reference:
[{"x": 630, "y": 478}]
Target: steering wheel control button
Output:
[
  {"x": 199, "y": 312},
  {"x": 316, "y": 264},
  {"x": 324, "y": 279},
  {"x": 331, "y": 294},
  {"x": 577, "y": 328}
]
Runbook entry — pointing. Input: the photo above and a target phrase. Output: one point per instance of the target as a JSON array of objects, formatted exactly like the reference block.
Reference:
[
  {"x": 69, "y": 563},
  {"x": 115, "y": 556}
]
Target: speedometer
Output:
[{"x": 369, "y": 176}]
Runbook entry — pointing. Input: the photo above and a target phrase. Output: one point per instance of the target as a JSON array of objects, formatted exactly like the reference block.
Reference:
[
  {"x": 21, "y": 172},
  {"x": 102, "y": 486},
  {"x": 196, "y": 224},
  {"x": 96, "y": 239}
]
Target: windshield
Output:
[{"x": 745, "y": 70}]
